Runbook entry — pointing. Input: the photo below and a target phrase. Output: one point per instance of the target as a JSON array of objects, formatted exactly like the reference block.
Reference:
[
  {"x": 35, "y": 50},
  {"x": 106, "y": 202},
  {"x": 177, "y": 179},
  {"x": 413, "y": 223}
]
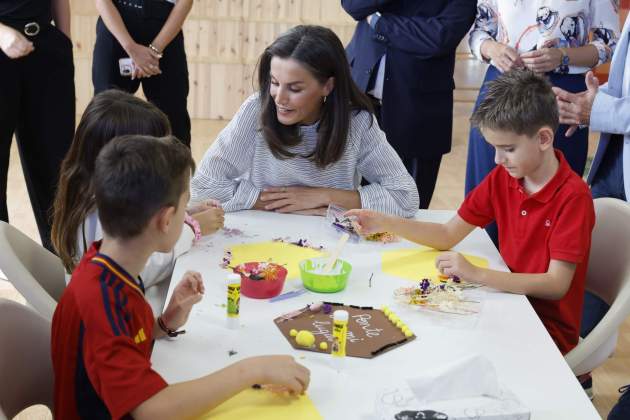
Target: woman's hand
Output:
[
  {"x": 186, "y": 294},
  {"x": 575, "y": 108},
  {"x": 293, "y": 199},
  {"x": 542, "y": 60},
  {"x": 13, "y": 43},
  {"x": 146, "y": 62},
  {"x": 503, "y": 57}
]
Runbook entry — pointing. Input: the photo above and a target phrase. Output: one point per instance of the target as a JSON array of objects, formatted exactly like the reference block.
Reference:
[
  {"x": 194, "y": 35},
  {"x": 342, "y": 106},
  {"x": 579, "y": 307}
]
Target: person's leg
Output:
[
  {"x": 621, "y": 410},
  {"x": 9, "y": 105},
  {"x": 169, "y": 90},
  {"x": 480, "y": 159},
  {"x": 426, "y": 173},
  {"x": 608, "y": 182},
  {"x": 574, "y": 148},
  {"x": 46, "y": 123},
  {"x": 105, "y": 67}
]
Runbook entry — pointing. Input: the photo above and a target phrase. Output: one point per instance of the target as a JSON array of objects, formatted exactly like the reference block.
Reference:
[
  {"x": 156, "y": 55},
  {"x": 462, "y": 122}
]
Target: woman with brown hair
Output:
[{"x": 305, "y": 139}]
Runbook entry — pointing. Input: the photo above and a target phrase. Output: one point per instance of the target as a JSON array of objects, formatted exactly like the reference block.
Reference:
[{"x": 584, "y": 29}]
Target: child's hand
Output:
[
  {"x": 367, "y": 222},
  {"x": 187, "y": 293},
  {"x": 198, "y": 207},
  {"x": 453, "y": 264},
  {"x": 210, "y": 220},
  {"x": 279, "y": 372}
]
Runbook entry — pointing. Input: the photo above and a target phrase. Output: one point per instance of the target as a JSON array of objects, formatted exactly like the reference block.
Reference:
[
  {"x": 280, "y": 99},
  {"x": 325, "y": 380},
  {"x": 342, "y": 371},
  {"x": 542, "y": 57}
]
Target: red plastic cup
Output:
[{"x": 264, "y": 288}]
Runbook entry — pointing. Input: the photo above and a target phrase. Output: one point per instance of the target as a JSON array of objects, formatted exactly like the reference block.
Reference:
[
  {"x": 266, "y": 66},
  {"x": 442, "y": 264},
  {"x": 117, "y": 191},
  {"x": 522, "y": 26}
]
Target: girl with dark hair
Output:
[
  {"x": 305, "y": 139},
  {"x": 75, "y": 220}
]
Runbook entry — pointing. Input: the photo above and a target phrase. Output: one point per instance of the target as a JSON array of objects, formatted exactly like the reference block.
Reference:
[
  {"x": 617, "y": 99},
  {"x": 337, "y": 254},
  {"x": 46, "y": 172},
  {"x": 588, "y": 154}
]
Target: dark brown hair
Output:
[
  {"x": 320, "y": 52},
  {"x": 518, "y": 101},
  {"x": 136, "y": 176},
  {"x": 109, "y": 114}
]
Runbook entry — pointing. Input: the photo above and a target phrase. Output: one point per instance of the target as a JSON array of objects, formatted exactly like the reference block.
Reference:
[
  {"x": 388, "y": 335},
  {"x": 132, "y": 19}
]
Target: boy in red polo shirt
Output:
[
  {"x": 103, "y": 328},
  {"x": 544, "y": 211}
]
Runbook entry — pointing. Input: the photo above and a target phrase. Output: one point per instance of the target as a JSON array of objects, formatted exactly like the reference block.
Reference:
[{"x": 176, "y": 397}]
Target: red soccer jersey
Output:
[
  {"x": 554, "y": 223},
  {"x": 102, "y": 337}
]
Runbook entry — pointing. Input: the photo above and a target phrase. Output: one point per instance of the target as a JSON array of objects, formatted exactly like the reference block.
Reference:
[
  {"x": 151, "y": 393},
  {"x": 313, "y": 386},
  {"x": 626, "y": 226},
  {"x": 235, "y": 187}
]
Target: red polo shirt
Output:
[
  {"x": 102, "y": 337},
  {"x": 554, "y": 223}
]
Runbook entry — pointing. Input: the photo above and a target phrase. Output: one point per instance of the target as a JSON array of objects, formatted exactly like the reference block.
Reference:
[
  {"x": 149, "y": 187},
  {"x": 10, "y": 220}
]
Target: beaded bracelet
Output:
[
  {"x": 168, "y": 331},
  {"x": 194, "y": 225},
  {"x": 153, "y": 48}
]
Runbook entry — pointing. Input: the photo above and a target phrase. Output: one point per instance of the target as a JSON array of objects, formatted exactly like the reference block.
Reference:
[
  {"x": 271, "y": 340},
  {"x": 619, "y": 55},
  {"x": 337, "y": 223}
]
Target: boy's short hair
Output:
[
  {"x": 136, "y": 176},
  {"x": 519, "y": 101}
]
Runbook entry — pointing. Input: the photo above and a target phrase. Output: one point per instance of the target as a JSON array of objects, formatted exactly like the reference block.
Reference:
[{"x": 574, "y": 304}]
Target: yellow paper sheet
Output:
[
  {"x": 416, "y": 264},
  {"x": 282, "y": 253},
  {"x": 264, "y": 405}
]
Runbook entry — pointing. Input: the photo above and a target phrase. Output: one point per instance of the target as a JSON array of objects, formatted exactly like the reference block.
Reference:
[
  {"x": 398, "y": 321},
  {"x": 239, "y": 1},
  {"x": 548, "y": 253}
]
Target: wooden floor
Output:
[{"x": 448, "y": 195}]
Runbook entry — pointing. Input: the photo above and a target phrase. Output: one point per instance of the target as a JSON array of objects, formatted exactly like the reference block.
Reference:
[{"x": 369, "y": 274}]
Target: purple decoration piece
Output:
[
  {"x": 327, "y": 308},
  {"x": 425, "y": 284}
]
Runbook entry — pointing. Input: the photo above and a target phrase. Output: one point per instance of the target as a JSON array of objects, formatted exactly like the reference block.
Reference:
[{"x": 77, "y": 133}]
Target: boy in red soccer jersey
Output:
[
  {"x": 103, "y": 328},
  {"x": 544, "y": 211}
]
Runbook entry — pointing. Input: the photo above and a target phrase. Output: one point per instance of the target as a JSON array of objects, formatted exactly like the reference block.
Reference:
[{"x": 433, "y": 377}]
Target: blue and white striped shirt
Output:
[{"x": 239, "y": 165}]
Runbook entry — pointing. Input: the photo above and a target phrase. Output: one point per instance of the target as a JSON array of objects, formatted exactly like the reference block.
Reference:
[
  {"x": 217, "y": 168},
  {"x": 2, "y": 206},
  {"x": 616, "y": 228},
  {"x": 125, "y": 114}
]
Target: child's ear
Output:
[
  {"x": 545, "y": 136},
  {"x": 164, "y": 218}
]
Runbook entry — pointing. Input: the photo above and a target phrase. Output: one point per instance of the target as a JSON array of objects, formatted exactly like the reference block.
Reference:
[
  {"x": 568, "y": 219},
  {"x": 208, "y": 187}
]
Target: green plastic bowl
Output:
[{"x": 324, "y": 283}]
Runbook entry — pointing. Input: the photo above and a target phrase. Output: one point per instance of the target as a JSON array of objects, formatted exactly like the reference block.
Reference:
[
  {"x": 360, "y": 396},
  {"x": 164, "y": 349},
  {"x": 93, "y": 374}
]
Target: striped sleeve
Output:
[
  {"x": 391, "y": 190},
  {"x": 221, "y": 173}
]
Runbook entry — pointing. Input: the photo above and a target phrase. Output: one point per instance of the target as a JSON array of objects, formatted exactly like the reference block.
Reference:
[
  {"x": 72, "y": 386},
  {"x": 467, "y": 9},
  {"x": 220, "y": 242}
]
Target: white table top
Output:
[{"x": 507, "y": 330}]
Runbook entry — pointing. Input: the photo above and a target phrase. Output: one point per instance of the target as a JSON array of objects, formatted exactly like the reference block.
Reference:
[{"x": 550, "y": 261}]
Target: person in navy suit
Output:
[{"x": 403, "y": 55}]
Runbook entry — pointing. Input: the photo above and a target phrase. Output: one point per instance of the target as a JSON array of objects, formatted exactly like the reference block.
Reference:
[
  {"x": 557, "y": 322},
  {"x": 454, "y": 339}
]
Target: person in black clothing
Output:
[
  {"x": 403, "y": 55},
  {"x": 148, "y": 32},
  {"x": 37, "y": 101}
]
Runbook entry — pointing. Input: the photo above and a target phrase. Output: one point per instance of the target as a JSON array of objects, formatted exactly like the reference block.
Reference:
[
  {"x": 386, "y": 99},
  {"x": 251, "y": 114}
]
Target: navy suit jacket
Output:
[{"x": 420, "y": 38}]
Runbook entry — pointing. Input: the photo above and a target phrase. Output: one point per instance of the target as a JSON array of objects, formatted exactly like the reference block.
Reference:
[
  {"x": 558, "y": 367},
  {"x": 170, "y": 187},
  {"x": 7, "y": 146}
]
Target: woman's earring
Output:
[{"x": 325, "y": 97}]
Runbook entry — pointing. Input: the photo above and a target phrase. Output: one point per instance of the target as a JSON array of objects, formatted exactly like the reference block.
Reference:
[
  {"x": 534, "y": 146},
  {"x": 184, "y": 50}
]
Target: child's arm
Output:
[
  {"x": 187, "y": 293},
  {"x": 173, "y": 24},
  {"x": 552, "y": 285},
  {"x": 436, "y": 235},
  {"x": 193, "y": 398}
]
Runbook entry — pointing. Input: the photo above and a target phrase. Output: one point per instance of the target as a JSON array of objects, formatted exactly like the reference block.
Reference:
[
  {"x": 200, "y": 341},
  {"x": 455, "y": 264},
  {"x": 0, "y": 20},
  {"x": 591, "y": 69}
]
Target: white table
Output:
[{"x": 507, "y": 331}]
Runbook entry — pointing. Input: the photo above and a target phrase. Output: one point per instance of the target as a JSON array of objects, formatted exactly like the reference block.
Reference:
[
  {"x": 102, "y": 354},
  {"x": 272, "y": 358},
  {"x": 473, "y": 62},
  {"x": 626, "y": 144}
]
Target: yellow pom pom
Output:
[
  {"x": 293, "y": 332},
  {"x": 399, "y": 323},
  {"x": 408, "y": 334},
  {"x": 323, "y": 345},
  {"x": 305, "y": 338}
]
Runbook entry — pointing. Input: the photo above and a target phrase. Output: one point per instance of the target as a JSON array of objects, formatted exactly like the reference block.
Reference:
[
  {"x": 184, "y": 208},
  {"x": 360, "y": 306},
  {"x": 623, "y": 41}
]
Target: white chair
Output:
[
  {"x": 608, "y": 277},
  {"x": 35, "y": 272},
  {"x": 26, "y": 372}
]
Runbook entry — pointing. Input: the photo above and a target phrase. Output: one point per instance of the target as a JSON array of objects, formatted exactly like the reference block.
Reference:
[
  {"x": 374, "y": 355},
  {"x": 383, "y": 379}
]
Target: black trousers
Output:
[
  {"x": 37, "y": 104},
  {"x": 169, "y": 90},
  {"x": 423, "y": 170}
]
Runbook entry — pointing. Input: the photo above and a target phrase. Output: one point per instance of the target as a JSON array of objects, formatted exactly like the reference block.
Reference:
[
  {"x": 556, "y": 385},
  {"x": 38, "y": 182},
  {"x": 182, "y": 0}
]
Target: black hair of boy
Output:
[
  {"x": 518, "y": 101},
  {"x": 136, "y": 176}
]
